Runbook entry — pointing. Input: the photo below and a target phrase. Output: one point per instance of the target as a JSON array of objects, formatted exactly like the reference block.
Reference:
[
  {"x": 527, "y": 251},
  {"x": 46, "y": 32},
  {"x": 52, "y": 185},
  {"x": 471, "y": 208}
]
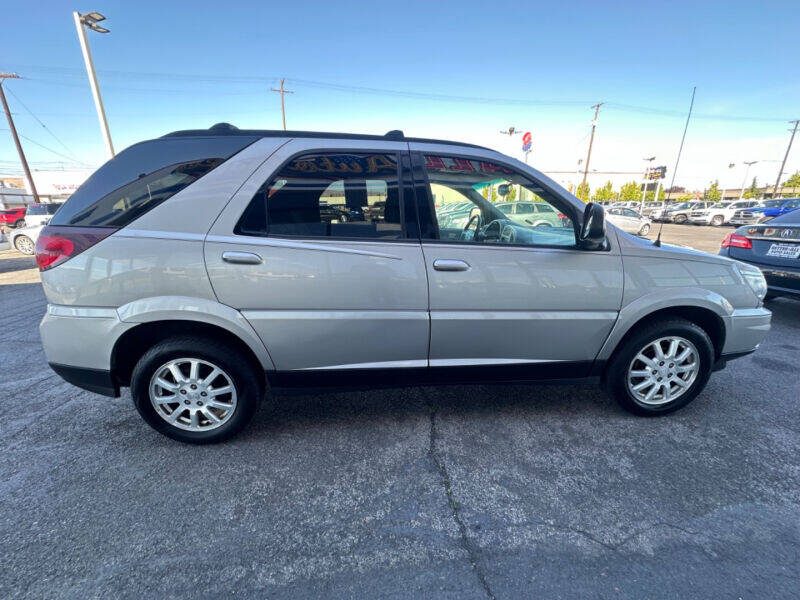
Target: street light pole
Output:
[
  {"x": 91, "y": 20},
  {"x": 644, "y": 185},
  {"x": 746, "y": 171},
  {"x": 25, "y": 168}
]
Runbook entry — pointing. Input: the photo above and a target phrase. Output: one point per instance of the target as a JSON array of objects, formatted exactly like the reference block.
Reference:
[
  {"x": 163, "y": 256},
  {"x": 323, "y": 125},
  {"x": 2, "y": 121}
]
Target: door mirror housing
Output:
[
  {"x": 503, "y": 190},
  {"x": 593, "y": 229}
]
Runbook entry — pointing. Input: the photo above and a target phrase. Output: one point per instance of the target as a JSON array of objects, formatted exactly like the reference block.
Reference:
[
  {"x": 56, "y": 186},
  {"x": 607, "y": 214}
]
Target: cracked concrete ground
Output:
[{"x": 459, "y": 492}]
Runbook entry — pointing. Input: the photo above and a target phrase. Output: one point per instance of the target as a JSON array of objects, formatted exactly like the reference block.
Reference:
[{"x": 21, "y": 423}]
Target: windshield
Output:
[
  {"x": 773, "y": 203},
  {"x": 720, "y": 205}
]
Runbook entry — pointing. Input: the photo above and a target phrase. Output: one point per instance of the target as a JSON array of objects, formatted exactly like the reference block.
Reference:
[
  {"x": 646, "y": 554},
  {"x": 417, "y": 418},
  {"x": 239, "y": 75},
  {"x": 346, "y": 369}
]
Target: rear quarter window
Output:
[{"x": 143, "y": 176}]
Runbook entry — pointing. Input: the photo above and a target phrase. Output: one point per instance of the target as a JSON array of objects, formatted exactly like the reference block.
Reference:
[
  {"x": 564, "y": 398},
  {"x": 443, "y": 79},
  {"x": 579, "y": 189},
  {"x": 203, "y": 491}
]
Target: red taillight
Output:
[
  {"x": 733, "y": 240},
  {"x": 57, "y": 244}
]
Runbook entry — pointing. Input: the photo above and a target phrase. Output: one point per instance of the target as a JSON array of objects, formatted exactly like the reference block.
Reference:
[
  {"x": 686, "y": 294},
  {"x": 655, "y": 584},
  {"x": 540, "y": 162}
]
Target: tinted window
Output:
[
  {"x": 350, "y": 195},
  {"x": 486, "y": 185},
  {"x": 142, "y": 176}
]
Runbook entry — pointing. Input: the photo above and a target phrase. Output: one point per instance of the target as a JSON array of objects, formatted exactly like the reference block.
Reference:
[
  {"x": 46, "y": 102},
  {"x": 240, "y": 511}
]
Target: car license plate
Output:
[{"x": 784, "y": 250}]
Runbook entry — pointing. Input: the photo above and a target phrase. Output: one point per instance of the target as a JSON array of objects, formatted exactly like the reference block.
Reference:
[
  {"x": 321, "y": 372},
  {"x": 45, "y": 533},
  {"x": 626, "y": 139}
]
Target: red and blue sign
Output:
[{"x": 526, "y": 141}]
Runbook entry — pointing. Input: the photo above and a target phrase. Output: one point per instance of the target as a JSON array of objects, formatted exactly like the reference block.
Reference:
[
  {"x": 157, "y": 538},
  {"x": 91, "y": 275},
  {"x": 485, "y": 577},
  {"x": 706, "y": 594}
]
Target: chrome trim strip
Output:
[
  {"x": 522, "y": 315},
  {"x": 387, "y": 364},
  {"x": 297, "y": 315},
  {"x": 82, "y": 312},
  {"x": 474, "y": 362},
  {"x": 160, "y": 235},
  {"x": 298, "y": 245}
]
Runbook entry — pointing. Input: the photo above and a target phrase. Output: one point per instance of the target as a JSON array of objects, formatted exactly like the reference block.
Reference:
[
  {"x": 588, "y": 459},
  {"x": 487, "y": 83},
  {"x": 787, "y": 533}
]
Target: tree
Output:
[
  {"x": 603, "y": 194},
  {"x": 752, "y": 191},
  {"x": 793, "y": 181},
  {"x": 630, "y": 192},
  {"x": 583, "y": 192},
  {"x": 713, "y": 194}
]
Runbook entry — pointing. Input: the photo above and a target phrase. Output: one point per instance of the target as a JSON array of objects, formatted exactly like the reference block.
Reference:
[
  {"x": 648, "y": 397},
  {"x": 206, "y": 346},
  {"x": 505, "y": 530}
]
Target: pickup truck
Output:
[
  {"x": 720, "y": 213},
  {"x": 769, "y": 210}
]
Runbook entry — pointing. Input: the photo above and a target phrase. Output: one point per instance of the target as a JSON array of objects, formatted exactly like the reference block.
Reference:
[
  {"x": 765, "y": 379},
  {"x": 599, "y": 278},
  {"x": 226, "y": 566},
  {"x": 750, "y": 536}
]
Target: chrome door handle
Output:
[
  {"x": 446, "y": 264},
  {"x": 242, "y": 258}
]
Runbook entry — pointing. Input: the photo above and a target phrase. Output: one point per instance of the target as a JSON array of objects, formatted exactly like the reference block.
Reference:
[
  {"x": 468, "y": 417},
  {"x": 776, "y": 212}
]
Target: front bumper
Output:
[
  {"x": 745, "y": 329},
  {"x": 700, "y": 220}
]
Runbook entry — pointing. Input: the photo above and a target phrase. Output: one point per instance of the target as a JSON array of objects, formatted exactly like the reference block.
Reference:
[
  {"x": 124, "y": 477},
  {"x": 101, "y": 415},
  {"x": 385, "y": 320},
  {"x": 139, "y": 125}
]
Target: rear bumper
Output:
[
  {"x": 782, "y": 280},
  {"x": 94, "y": 380}
]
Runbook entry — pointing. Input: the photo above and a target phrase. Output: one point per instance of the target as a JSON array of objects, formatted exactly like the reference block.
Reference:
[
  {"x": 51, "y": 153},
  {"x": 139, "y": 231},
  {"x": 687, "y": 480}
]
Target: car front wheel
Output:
[
  {"x": 644, "y": 230},
  {"x": 717, "y": 220},
  {"x": 24, "y": 244},
  {"x": 681, "y": 218},
  {"x": 196, "y": 390},
  {"x": 661, "y": 367}
]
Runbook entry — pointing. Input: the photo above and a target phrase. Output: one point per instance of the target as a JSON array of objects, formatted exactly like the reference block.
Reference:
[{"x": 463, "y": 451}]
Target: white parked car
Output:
[
  {"x": 24, "y": 240},
  {"x": 720, "y": 213},
  {"x": 40, "y": 214},
  {"x": 628, "y": 220}
]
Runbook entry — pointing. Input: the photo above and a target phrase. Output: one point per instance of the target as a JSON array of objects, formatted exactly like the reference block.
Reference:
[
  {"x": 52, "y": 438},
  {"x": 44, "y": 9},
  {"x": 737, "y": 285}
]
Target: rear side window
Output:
[
  {"x": 341, "y": 194},
  {"x": 141, "y": 177}
]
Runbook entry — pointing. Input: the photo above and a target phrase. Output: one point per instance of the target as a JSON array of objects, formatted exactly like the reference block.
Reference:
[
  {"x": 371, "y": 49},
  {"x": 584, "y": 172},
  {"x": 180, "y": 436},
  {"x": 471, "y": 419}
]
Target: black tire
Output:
[
  {"x": 681, "y": 219},
  {"x": 19, "y": 223},
  {"x": 247, "y": 381},
  {"x": 717, "y": 220},
  {"x": 617, "y": 371}
]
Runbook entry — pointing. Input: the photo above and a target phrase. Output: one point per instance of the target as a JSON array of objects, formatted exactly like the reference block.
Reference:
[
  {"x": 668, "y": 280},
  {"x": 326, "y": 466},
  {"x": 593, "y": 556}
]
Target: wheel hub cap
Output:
[
  {"x": 192, "y": 394},
  {"x": 663, "y": 370}
]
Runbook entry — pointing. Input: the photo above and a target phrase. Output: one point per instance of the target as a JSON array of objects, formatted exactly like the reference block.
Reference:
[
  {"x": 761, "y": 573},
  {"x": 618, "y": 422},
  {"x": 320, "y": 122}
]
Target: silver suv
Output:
[{"x": 207, "y": 266}]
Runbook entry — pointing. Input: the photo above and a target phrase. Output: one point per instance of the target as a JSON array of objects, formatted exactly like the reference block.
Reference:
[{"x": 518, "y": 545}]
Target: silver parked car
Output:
[
  {"x": 200, "y": 269},
  {"x": 629, "y": 220},
  {"x": 24, "y": 240}
]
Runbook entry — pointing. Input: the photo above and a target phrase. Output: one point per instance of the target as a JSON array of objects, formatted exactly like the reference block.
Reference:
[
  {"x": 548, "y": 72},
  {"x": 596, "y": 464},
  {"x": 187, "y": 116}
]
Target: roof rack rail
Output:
[{"x": 226, "y": 129}]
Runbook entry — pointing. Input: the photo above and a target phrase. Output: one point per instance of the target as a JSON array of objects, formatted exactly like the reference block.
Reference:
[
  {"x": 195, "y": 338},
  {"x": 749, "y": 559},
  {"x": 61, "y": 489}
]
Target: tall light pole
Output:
[
  {"x": 649, "y": 161},
  {"x": 91, "y": 21},
  {"x": 746, "y": 171},
  {"x": 725, "y": 189},
  {"x": 25, "y": 168}
]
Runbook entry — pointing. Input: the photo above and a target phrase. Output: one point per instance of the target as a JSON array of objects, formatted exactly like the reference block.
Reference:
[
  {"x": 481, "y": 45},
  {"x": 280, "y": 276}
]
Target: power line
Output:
[
  {"x": 46, "y": 128},
  {"x": 618, "y": 106},
  {"x": 56, "y": 152}
]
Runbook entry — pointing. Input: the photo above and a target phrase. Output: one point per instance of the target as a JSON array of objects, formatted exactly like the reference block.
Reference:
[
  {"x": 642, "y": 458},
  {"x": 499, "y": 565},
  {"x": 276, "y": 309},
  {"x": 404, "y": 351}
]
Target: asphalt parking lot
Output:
[{"x": 457, "y": 492}]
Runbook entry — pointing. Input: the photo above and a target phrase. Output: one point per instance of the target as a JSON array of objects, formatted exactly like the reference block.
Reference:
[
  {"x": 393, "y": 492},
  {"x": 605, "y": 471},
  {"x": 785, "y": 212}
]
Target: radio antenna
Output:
[{"x": 677, "y": 160}]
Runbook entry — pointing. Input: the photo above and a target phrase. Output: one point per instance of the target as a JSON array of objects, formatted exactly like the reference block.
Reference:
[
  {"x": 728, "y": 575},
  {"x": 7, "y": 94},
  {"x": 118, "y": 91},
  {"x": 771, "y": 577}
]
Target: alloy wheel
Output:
[
  {"x": 663, "y": 371},
  {"x": 24, "y": 244},
  {"x": 193, "y": 394}
]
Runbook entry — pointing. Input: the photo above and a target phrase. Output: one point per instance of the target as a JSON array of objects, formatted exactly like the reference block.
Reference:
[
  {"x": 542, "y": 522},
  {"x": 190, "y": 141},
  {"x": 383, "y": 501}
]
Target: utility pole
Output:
[
  {"x": 282, "y": 91},
  {"x": 783, "y": 164},
  {"x": 746, "y": 171},
  {"x": 596, "y": 108},
  {"x": 3, "y": 77},
  {"x": 90, "y": 20}
]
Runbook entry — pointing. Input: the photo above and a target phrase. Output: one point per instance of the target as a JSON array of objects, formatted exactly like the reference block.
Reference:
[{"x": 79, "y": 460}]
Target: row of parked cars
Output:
[
  {"x": 27, "y": 216},
  {"x": 701, "y": 212}
]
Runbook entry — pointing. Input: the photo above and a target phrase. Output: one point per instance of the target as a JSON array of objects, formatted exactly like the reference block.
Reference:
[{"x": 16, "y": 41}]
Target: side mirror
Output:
[
  {"x": 503, "y": 189},
  {"x": 593, "y": 229}
]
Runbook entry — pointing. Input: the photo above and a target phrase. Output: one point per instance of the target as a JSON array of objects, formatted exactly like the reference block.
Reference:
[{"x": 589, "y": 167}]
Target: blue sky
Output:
[{"x": 172, "y": 65}]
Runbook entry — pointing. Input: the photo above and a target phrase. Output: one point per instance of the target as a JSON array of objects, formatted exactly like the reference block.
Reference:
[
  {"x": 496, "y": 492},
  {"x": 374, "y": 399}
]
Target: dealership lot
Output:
[{"x": 460, "y": 492}]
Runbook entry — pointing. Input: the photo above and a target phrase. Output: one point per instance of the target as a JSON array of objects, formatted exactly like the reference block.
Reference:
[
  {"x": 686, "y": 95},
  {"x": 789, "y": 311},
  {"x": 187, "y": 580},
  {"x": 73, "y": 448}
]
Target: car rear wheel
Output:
[
  {"x": 645, "y": 229},
  {"x": 24, "y": 244},
  {"x": 661, "y": 367},
  {"x": 196, "y": 390}
]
